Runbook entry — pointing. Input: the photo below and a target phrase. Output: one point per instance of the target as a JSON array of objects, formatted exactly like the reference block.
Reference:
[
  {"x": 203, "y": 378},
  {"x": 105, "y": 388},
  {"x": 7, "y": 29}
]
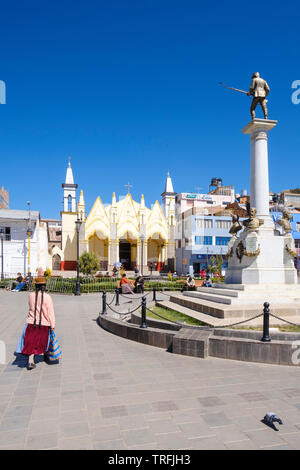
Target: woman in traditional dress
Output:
[
  {"x": 126, "y": 285},
  {"x": 40, "y": 321}
]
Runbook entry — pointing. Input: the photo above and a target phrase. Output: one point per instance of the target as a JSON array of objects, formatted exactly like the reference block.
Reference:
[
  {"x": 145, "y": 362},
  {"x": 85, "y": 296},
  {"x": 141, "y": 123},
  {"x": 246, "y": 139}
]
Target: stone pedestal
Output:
[{"x": 262, "y": 256}]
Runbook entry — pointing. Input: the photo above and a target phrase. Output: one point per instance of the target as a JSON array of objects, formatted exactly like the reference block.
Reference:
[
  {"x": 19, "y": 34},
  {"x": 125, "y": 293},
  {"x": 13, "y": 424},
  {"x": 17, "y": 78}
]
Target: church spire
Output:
[
  {"x": 69, "y": 174},
  {"x": 169, "y": 184},
  {"x": 69, "y": 190},
  {"x": 168, "y": 194}
]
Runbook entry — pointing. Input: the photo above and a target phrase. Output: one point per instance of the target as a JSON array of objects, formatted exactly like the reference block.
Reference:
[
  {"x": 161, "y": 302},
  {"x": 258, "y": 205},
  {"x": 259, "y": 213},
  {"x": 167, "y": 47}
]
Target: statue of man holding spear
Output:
[{"x": 259, "y": 89}]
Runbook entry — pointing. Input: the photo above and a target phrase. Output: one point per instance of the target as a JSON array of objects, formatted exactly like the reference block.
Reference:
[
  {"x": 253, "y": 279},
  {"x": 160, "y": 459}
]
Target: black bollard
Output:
[
  {"x": 117, "y": 296},
  {"x": 154, "y": 294},
  {"x": 266, "y": 333},
  {"x": 104, "y": 312},
  {"x": 143, "y": 320}
]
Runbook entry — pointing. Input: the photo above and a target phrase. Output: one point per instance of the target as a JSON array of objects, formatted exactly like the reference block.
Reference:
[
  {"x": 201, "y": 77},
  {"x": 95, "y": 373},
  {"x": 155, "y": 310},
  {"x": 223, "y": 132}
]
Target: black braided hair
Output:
[{"x": 39, "y": 287}]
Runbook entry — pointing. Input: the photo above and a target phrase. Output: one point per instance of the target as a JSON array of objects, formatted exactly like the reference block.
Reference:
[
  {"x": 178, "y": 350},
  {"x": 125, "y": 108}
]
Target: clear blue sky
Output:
[{"x": 129, "y": 89}]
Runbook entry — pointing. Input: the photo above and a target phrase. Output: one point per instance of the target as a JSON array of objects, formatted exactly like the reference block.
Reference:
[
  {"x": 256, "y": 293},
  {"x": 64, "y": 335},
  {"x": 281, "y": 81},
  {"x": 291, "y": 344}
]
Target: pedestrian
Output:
[
  {"x": 21, "y": 283},
  {"x": 40, "y": 321},
  {"x": 139, "y": 284},
  {"x": 126, "y": 285},
  {"x": 207, "y": 281}
]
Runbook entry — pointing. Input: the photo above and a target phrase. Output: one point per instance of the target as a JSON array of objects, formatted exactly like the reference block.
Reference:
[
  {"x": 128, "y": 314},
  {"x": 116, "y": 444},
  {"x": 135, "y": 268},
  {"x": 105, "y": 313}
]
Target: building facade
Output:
[
  {"x": 21, "y": 252},
  {"x": 214, "y": 201},
  {"x": 199, "y": 238},
  {"x": 124, "y": 231}
]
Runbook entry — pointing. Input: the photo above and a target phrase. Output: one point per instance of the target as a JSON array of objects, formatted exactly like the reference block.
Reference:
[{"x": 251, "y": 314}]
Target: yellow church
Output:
[{"x": 125, "y": 231}]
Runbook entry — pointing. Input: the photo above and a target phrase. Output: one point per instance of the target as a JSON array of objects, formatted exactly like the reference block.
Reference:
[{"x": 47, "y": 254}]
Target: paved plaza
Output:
[{"x": 112, "y": 393}]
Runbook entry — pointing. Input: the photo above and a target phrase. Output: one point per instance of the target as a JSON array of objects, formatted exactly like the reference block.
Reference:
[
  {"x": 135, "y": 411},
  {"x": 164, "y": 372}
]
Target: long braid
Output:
[
  {"x": 40, "y": 322},
  {"x": 36, "y": 295}
]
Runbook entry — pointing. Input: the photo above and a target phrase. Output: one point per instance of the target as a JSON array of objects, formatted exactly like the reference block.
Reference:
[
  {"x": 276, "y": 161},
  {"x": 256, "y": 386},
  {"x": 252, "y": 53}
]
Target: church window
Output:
[{"x": 69, "y": 203}]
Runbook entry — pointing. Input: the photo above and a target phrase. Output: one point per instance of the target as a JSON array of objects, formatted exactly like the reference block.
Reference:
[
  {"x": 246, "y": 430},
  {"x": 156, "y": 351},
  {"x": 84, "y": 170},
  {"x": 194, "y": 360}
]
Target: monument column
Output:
[{"x": 259, "y": 172}]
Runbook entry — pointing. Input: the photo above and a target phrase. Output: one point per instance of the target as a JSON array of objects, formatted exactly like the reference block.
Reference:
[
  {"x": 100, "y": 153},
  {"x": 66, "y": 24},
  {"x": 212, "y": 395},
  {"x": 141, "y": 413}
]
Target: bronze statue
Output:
[
  {"x": 284, "y": 222},
  {"x": 253, "y": 223},
  {"x": 259, "y": 89},
  {"x": 236, "y": 226}
]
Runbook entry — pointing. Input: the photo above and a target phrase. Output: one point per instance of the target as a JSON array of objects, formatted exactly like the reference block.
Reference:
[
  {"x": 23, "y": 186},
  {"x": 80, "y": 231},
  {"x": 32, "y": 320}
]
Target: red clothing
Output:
[
  {"x": 36, "y": 340},
  {"x": 124, "y": 280}
]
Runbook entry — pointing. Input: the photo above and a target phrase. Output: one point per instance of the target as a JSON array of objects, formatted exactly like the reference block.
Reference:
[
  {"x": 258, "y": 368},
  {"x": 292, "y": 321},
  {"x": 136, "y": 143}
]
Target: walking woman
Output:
[{"x": 40, "y": 321}]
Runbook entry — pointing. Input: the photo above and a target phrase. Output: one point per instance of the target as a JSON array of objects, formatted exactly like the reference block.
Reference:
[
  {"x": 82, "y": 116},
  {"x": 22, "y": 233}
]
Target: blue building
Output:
[{"x": 200, "y": 237}]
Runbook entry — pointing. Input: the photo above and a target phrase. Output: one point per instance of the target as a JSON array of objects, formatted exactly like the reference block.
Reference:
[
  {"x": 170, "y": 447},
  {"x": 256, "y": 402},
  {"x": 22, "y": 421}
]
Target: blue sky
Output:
[{"x": 130, "y": 90}]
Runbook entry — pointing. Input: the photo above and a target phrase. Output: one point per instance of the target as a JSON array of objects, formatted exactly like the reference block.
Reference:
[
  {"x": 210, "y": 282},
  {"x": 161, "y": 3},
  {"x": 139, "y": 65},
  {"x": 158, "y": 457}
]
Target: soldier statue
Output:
[{"x": 259, "y": 89}]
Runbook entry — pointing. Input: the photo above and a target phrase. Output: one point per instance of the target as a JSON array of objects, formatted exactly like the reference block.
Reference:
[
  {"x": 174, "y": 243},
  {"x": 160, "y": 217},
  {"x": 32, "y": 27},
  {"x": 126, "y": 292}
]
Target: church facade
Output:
[{"x": 125, "y": 231}]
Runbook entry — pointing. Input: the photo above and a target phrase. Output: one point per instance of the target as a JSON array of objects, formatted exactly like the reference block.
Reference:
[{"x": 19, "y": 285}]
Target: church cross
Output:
[{"x": 128, "y": 186}]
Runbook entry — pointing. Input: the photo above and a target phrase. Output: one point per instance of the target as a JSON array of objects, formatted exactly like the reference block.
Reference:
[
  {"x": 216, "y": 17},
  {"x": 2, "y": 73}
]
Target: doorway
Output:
[{"x": 125, "y": 254}]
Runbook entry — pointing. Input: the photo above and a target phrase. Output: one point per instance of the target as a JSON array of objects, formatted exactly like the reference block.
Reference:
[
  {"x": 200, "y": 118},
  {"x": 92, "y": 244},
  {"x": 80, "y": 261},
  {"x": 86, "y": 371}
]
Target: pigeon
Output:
[{"x": 270, "y": 419}]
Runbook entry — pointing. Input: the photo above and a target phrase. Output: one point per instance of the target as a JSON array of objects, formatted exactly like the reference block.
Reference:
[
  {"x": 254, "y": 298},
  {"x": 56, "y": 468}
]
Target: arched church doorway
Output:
[
  {"x": 56, "y": 260},
  {"x": 125, "y": 254}
]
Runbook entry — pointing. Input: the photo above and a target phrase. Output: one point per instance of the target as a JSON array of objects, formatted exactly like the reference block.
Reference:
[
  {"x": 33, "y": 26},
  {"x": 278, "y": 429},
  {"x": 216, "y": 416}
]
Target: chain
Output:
[
  {"x": 124, "y": 313},
  {"x": 239, "y": 322},
  {"x": 112, "y": 300},
  {"x": 163, "y": 317},
  {"x": 285, "y": 321},
  {"x": 140, "y": 297}
]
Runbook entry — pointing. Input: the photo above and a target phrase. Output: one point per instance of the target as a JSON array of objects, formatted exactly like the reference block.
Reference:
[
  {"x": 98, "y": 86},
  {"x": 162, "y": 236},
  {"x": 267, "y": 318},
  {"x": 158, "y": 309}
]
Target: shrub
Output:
[{"x": 89, "y": 263}]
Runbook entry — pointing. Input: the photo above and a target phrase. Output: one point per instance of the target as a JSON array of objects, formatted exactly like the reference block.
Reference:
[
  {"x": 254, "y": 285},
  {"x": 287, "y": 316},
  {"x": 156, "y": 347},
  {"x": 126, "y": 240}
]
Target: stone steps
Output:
[
  {"x": 218, "y": 291},
  {"x": 208, "y": 295},
  {"x": 242, "y": 310}
]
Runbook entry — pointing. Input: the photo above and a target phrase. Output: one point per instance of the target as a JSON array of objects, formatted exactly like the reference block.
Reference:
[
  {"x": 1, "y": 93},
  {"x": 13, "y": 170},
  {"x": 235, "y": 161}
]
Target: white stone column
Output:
[{"x": 259, "y": 171}]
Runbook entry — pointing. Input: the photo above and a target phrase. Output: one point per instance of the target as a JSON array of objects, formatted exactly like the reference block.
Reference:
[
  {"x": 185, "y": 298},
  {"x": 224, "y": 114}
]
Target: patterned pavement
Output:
[{"x": 112, "y": 393}]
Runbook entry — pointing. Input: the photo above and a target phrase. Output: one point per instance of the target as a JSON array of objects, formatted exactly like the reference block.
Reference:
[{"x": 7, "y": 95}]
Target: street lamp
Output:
[
  {"x": 78, "y": 223},
  {"x": 2, "y": 253},
  {"x": 142, "y": 237},
  {"x": 29, "y": 233}
]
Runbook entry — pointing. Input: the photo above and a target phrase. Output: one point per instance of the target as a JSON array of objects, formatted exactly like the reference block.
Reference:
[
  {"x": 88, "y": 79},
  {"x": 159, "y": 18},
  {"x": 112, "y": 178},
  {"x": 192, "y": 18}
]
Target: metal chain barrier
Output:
[
  {"x": 124, "y": 313},
  {"x": 111, "y": 301},
  {"x": 140, "y": 297},
  {"x": 282, "y": 319},
  {"x": 239, "y": 322},
  {"x": 160, "y": 316}
]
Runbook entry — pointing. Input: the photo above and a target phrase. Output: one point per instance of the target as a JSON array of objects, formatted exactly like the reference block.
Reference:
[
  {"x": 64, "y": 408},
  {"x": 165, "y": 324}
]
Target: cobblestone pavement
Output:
[{"x": 111, "y": 393}]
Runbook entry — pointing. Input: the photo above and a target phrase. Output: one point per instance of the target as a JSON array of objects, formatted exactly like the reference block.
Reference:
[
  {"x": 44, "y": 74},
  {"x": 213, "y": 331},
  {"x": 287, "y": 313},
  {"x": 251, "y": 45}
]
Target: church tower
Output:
[
  {"x": 69, "y": 191},
  {"x": 68, "y": 219},
  {"x": 168, "y": 195}
]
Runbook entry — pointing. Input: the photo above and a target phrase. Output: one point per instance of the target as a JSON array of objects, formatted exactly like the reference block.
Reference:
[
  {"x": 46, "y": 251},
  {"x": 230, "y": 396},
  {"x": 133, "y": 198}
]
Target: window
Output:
[
  {"x": 178, "y": 243},
  {"x": 222, "y": 240},
  {"x": 297, "y": 226},
  {"x": 203, "y": 223},
  {"x": 203, "y": 240},
  {"x": 6, "y": 233},
  {"x": 69, "y": 203},
  {"x": 224, "y": 224}
]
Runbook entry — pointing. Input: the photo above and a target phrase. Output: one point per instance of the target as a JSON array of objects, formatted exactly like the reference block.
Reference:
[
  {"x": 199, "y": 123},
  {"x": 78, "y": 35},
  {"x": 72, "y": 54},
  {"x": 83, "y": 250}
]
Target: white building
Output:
[{"x": 16, "y": 256}]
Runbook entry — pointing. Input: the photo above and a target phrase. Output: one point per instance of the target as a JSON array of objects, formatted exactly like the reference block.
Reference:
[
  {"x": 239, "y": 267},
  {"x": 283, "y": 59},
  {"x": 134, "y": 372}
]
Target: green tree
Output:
[
  {"x": 89, "y": 263},
  {"x": 212, "y": 267},
  {"x": 219, "y": 263}
]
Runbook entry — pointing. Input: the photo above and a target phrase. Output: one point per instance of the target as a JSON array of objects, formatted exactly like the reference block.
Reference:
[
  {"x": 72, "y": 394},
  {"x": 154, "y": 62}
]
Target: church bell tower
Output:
[{"x": 69, "y": 191}]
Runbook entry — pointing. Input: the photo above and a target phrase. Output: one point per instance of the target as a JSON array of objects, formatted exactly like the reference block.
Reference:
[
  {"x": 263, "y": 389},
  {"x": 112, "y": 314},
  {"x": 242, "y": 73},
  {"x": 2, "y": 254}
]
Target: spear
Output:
[{"x": 235, "y": 89}]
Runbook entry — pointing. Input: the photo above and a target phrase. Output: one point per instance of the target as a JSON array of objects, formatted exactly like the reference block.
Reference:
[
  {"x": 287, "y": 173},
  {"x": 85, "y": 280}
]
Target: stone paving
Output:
[{"x": 112, "y": 393}]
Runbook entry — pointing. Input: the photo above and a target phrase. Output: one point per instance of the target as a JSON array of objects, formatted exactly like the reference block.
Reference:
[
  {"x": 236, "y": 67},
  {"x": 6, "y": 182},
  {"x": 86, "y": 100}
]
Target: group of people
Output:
[
  {"x": 129, "y": 287},
  {"x": 190, "y": 282},
  {"x": 20, "y": 282}
]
